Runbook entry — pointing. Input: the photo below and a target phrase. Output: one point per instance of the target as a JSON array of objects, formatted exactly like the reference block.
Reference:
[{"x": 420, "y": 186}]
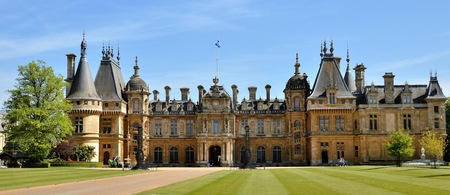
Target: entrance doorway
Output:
[
  {"x": 215, "y": 157},
  {"x": 324, "y": 157},
  {"x": 105, "y": 158}
]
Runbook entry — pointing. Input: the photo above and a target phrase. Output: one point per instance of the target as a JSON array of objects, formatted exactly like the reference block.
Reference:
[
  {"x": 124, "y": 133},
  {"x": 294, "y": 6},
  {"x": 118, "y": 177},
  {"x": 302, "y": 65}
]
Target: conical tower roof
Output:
[{"x": 83, "y": 86}]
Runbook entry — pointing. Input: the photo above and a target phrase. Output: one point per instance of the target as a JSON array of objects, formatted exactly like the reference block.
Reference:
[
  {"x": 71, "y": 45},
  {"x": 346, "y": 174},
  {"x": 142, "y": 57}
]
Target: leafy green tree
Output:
[
  {"x": 36, "y": 111},
  {"x": 447, "y": 141},
  {"x": 399, "y": 146},
  {"x": 433, "y": 145}
]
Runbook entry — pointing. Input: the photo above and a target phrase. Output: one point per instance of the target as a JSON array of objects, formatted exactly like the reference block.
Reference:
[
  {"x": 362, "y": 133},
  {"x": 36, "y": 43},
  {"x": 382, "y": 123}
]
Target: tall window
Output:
[
  {"x": 297, "y": 137},
  {"x": 436, "y": 123},
  {"x": 340, "y": 147},
  {"x": 407, "y": 121},
  {"x": 173, "y": 127},
  {"x": 373, "y": 122},
  {"x": 106, "y": 123},
  {"x": 244, "y": 123},
  {"x": 298, "y": 149},
  {"x": 190, "y": 154},
  {"x": 436, "y": 109},
  {"x": 158, "y": 127},
  {"x": 339, "y": 123},
  {"x": 215, "y": 126},
  {"x": 323, "y": 122},
  {"x": 297, "y": 104},
  {"x": 78, "y": 124},
  {"x": 136, "y": 106},
  {"x": 332, "y": 99},
  {"x": 277, "y": 154},
  {"x": 356, "y": 151},
  {"x": 372, "y": 99},
  {"x": 173, "y": 155},
  {"x": 158, "y": 155},
  {"x": 189, "y": 127},
  {"x": 261, "y": 154},
  {"x": 260, "y": 125},
  {"x": 276, "y": 126},
  {"x": 406, "y": 99}
]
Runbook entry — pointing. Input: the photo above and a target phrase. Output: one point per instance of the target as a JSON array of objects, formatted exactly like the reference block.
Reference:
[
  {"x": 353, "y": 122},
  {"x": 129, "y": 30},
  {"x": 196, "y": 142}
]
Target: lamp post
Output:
[
  {"x": 247, "y": 159},
  {"x": 139, "y": 153}
]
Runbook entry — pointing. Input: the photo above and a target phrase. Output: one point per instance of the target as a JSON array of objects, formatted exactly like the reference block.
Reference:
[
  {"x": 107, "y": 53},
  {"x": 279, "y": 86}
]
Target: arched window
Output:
[
  {"x": 276, "y": 154},
  {"x": 297, "y": 104},
  {"x": 158, "y": 155},
  {"x": 189, "y": 154},
  {"x": 297, "y": 125},
  {"x": 173, "y": 155},
  {"x": 261, "y": 154}
]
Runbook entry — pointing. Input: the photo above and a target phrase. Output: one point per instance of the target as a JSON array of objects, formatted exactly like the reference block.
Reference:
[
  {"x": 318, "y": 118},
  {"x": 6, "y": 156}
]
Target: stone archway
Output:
[{"x": 215, "y": 155}]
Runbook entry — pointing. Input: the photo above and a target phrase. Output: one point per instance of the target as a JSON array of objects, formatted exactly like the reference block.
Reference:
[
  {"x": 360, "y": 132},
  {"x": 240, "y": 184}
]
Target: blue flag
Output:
[{"x": 218, "y": 44}]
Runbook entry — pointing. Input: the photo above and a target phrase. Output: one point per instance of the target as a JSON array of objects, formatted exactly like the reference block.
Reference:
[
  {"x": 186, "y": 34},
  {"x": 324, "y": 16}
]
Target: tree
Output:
[
  {"x": 36, "y": 111},
  {"x": 399, "y": 146},
  {"x": 63, "y": 150},
  {"x": 447, "y": 141},
  {"x": 433, "y": 145}
]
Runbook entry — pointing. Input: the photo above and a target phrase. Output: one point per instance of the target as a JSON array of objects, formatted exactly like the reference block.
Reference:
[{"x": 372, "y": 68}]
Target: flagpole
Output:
[{"x": 217, "y": 58}]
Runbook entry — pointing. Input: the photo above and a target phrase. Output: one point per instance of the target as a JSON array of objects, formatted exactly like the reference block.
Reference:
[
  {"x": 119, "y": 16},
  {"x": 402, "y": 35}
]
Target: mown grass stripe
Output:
[{"x": 386, "y": 180}]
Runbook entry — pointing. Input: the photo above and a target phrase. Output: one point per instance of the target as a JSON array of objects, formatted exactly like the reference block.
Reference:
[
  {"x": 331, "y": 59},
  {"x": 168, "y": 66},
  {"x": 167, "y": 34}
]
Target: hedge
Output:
[
  {"x": 36, "y": 165},
  {"x": 77, "y": 164}
]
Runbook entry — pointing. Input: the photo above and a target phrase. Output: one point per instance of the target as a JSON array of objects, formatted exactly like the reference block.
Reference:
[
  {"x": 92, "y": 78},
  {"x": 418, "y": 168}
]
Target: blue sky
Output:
[{"x": 174, "y": 40}]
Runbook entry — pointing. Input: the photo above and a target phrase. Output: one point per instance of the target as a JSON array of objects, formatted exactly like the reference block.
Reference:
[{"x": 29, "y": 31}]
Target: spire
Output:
[
  {"x": 83, "y": 86},
  {"x": 348, "y": 58},
  {"x": 136, "y": 67},
  {"x": 297, "y": 65}
]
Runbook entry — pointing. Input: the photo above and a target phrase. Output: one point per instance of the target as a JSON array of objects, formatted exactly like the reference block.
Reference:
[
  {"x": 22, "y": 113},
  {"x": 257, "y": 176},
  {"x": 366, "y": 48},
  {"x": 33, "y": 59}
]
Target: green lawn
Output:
[
  {"x": 318, "y": 180},
  {"x": 12, "y": 178}
]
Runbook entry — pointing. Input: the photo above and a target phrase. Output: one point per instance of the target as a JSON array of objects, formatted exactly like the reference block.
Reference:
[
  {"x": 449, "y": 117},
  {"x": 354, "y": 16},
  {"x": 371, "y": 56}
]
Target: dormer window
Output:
[
  {"x": 372, "y": 99},
  {"x": 190, "y": 107},
  {"x": 260, "y": 106},
  {"x": 276, "y": 106},
  {"x": 331, "y": 98},
  {"x": 244, "y": 106},
  {"x": 159, "y": 106},
  {"x": 406, "y": 99}
]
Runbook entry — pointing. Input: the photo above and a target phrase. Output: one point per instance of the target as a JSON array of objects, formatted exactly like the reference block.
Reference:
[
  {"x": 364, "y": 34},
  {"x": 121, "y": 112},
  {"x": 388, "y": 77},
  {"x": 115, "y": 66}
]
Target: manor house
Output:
[{"x": 337, "y": 117}]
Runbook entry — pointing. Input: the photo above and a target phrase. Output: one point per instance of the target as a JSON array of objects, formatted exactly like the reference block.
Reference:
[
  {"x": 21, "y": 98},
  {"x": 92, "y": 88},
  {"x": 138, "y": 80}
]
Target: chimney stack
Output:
[
  {"x": 252, "y": 93},
  {"x": 184, "y": 94},
  {"x": 389, "y": 87},
  {"x": 268, "y": 92},
  {"x": 235, "y": 96},
  {"x": 200, "y": 94},
  {"x": 156, "y": 93},
  {"x": 359, "y": 78},
  {"x": 167, "y": 88},
  {"x": 70, "y": 70}
]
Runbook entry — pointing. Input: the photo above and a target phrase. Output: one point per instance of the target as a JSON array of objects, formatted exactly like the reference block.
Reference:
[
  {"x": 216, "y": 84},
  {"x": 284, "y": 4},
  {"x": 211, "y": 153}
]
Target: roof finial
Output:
[
  {"x": 325, "y": 46},
  {"x": 348, "y": 57},
  {"x": 331, "y": 47},
  {"x": 83, "y": 46},
  {"x": 321, "y": 49},
  {"x": 136, "y": 67},
  {"x": 103, "y": 50},
  {"x": 118, "y": 53},
  {"x": 297, "y": 65}
]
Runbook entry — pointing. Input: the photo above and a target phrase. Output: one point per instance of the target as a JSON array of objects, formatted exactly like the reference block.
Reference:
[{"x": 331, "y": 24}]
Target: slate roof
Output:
[
  {"x": 329, "y": 76},
  {"x": 349, "y": 81},
  {"x": 83, "y": 86}
]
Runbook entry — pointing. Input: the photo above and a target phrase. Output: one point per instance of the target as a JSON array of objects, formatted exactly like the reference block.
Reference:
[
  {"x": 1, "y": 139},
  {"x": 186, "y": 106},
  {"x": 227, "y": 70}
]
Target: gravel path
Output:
[{"x": 129, "y": 184}]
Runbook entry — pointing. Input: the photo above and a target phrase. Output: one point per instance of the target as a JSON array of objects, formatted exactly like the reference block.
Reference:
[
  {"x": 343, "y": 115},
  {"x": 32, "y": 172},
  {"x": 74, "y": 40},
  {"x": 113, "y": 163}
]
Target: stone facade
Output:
[{"x": 337, "y": 117}]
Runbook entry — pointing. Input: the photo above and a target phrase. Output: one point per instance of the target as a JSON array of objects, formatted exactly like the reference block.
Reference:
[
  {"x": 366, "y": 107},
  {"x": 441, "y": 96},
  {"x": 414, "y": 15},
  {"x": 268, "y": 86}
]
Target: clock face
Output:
[{"x": 215, "y": 103}]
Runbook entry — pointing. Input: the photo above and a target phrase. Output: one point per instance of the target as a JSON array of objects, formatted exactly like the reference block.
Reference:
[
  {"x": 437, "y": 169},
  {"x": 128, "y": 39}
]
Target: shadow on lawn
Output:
[
  {"x": 440, "y": 175},
  {"x": 374, "y": 168}
]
